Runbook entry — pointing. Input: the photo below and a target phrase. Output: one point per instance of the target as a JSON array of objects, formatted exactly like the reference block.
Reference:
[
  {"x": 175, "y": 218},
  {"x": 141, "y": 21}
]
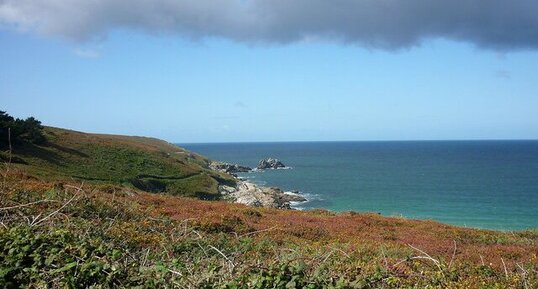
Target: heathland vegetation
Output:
[{"x": 85, "y": 210}]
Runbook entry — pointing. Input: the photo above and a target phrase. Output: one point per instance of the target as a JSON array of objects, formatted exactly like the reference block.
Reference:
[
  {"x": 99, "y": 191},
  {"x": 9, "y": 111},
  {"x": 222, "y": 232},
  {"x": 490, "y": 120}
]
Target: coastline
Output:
[
  {"x": 251, "y": 194},
  {"x": 458, "y": 183}
]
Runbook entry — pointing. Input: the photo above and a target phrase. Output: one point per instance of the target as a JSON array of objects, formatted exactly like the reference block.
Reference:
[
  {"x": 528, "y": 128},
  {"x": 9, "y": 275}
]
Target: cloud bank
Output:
[{"x": 388, "y": 24}]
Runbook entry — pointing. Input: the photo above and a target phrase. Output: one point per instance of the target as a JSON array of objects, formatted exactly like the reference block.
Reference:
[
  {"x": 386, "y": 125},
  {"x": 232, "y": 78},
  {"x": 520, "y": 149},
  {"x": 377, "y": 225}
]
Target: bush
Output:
[{"x": 57, "y": 258}]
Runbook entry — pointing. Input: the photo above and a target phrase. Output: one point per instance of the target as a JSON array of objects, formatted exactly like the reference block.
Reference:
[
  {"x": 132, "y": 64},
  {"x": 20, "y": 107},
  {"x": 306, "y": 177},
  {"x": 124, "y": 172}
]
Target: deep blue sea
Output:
[{"x": 484, "y": 184}]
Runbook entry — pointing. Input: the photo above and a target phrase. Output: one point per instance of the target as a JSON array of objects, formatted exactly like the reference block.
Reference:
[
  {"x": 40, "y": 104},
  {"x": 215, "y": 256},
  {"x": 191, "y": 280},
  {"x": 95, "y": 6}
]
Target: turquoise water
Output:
[{"x": 484, "y": 184}]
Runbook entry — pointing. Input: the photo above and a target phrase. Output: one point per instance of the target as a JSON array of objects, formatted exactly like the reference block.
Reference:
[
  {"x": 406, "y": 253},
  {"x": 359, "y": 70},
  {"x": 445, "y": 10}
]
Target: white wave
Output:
[
  {"x": 312, "y": 197},
  {"x": 293, "y": 194},
  {"x": 304, "y": 205}
]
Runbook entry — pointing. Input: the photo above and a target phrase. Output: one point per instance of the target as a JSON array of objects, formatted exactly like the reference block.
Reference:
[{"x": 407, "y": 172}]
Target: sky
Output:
[{"x": 274, "y": 70}]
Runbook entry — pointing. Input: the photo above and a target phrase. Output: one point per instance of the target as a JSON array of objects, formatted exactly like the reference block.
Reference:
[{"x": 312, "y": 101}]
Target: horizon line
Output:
[{"x": 334, "y": 141}]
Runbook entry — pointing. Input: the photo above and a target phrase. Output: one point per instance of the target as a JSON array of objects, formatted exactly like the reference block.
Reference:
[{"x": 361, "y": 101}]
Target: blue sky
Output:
[{"x": 217, "y": 89}]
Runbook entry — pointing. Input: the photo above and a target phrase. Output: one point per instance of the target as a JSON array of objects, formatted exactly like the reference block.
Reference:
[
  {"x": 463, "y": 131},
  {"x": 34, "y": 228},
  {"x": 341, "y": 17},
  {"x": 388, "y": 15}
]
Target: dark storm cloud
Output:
[{"x": 501, "y": 25}]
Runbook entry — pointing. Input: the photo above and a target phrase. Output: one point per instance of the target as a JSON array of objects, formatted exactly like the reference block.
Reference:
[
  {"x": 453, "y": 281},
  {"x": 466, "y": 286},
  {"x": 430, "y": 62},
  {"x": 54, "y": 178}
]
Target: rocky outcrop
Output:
[
  {"x": 247, "y": 193},
  {"x": 270, "y": 163},
  {"x": 293, "y": 197},
  {"x": 229, "y": 168},
  {"x": 250, "y": 194}
]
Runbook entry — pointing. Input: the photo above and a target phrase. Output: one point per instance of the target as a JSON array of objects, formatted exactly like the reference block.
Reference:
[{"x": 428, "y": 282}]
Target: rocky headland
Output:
[{"x": 229, "y": 168}]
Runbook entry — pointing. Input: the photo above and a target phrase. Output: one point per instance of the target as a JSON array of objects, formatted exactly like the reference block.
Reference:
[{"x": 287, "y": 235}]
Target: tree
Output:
[
  {"x": 32, "y": 131},
  {"x": 29, "y": 130},
  {"x": 6, "y": 121}
]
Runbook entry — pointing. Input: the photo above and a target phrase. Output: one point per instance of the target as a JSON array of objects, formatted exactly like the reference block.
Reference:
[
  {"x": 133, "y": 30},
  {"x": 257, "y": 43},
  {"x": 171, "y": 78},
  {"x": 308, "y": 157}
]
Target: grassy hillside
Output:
[
  {"x": 69, "y": 235},
  {"x": 81, "y": 211},
  {"x": 145, "y": 163}
]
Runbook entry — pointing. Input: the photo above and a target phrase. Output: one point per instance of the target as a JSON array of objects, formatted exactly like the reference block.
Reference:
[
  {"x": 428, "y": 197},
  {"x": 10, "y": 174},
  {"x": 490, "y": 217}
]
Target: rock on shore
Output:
[
  {"x": 270, "y": 163},
  {"x": 268, "y": 197},
  {"x": 229, "y": 168},
  {"x": 247, "y": 193}
]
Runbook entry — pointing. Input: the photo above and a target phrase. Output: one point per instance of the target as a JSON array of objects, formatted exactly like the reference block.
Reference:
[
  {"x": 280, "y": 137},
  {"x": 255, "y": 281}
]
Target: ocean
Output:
[{"x": 480, "y": 184}]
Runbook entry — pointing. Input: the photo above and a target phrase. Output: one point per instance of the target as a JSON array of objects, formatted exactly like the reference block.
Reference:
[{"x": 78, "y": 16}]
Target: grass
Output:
[
  {"x": 144, "y": 163},
  {"x": 66, "y": 234}
]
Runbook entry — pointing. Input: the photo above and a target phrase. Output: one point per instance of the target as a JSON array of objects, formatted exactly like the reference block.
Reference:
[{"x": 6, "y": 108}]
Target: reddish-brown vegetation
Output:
[{"x": 323, "y": 228}]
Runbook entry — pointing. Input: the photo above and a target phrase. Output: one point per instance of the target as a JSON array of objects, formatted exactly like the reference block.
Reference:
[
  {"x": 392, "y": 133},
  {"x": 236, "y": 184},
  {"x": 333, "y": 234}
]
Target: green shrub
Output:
[{"x": 56, "y": 258}]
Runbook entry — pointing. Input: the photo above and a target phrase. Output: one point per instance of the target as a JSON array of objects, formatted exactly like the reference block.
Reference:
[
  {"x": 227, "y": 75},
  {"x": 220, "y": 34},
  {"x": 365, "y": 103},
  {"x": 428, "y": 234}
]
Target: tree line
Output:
[{"x": 20, "y": 131}]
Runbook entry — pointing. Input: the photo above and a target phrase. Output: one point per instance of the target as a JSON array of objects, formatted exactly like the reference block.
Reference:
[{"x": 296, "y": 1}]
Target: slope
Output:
[{"x": 144, "y": 163}]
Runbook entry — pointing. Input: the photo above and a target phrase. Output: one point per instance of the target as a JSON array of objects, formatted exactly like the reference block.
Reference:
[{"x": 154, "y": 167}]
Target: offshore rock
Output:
[{"x": 270, "y": 163}]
